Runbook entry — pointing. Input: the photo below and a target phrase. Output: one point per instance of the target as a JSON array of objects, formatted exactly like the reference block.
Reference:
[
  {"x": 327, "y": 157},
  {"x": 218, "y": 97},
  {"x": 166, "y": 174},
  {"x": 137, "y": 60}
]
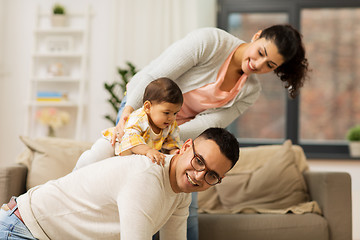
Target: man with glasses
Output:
[{"x": 128, "y": 199}]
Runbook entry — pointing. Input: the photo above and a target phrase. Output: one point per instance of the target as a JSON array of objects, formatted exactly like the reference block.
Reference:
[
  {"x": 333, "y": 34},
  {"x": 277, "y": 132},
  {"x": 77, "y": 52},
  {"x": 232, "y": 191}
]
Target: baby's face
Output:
[{"x": 163, "y": 114}]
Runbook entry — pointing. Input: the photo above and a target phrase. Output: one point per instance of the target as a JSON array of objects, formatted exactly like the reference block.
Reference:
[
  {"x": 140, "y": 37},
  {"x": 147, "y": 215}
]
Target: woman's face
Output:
[{"x": 261, "y": 56}]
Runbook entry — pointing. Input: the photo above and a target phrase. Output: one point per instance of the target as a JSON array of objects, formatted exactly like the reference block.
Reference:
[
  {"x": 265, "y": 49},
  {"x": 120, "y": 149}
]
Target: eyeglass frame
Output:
[{"x": 197, "y": 156}]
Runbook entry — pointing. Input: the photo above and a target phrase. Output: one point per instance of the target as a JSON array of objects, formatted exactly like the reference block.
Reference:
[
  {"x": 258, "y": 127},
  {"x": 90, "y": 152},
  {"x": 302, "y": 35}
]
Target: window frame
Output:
[{"x": 293, "y": 9}]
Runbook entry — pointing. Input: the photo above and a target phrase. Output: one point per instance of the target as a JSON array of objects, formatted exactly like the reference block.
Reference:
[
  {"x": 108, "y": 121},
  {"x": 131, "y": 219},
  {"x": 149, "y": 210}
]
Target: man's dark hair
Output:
[
  {"x": 163, "y": 90},
  {"x": 227, "y": 143}
]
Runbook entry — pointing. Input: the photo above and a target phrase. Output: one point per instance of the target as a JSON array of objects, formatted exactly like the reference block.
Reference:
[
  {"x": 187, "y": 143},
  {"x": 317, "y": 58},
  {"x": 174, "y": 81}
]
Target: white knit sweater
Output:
[
  {"x": 127, "y": 196},
  {"x": 193, "y": 62}
]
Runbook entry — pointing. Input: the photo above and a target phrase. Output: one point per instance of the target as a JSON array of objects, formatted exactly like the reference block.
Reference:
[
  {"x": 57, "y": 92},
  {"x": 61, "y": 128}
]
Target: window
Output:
[
  {"x": 269, "y": 109},
  {"x": 329, "y": 102}
]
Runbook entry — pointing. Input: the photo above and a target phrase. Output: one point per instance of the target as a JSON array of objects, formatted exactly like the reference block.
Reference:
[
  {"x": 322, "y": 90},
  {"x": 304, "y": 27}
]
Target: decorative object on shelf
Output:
[
  {"x": 56, "y": 69},
  {"x": 58, "y": 19},
  {"x": 353, "y": 136},
  {"x": 53, "y": 118},
  {"x": 59, "y": 44},
  {"x": 119, "y": 87}
]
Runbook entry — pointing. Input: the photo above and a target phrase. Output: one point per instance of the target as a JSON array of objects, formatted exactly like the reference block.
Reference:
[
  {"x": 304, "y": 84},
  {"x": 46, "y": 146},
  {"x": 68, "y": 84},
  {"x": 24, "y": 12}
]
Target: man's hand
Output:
[
  {"x": 119, "y": 129},
  {"x": 156, "y": 156}
]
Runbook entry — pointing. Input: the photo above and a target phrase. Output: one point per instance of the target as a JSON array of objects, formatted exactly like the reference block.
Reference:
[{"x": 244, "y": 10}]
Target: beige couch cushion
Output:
[
  {"x": 50, "y": 158},
  {"x": 266, "y": 178},
  {"x": 276, "y": 184}
]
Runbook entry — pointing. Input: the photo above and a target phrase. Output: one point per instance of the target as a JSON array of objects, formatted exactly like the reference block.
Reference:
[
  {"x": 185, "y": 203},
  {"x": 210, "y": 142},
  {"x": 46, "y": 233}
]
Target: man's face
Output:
[{"x": 186, "y": 178}]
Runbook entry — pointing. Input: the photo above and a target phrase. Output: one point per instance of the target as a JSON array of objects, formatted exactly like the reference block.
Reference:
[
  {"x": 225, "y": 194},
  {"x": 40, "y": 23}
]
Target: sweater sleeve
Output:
[
  {"x": 175, "y": 228},
  {"x": 176, "y": 60},
  {"x": 172, "y": 141},
  {"x": 135, "y": 223},
  {"x": 137, "y": 207},
  {"x": 217, "y": 118}
]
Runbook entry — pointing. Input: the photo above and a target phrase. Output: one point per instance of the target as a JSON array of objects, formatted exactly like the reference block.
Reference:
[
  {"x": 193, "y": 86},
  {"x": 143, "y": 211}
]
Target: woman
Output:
[{"x": 216, "y": 72}]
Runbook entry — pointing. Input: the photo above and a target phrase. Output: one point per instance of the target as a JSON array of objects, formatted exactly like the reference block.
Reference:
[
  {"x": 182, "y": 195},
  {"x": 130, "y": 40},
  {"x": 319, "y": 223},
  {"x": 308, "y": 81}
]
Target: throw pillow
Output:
[
  {"x": 50, "y": 158},
  {"x": 276, "y": 184}
]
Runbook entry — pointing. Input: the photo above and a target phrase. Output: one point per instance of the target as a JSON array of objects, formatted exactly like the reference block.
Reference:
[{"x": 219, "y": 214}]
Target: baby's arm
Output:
[{"x": 151, "y": 153}]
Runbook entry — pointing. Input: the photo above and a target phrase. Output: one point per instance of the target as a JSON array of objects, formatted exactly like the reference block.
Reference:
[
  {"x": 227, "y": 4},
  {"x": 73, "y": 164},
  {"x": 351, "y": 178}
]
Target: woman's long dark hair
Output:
[{"x": 289, "y": 43}]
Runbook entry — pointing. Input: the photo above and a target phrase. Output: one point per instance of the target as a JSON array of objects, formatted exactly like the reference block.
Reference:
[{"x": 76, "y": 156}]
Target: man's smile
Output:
[{"x": 191, "y": 181}]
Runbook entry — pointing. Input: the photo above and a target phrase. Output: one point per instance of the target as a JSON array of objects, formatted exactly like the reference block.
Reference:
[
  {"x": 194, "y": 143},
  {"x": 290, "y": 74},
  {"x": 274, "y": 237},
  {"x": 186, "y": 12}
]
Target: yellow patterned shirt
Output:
[{"x": 138, "y": 131}]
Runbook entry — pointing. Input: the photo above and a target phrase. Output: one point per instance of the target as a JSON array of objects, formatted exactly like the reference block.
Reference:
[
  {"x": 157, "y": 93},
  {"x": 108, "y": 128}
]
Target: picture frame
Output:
[{"x": 59, "y": 44}]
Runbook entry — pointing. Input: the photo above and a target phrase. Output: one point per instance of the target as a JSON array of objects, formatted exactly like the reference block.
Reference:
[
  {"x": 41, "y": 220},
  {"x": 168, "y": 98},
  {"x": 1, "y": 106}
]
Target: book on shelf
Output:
[{"x": 47, "y": 96}]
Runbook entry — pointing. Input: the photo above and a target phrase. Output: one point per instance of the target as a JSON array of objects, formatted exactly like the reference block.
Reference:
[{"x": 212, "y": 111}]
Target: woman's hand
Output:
[{"x": 119, "y": 129}]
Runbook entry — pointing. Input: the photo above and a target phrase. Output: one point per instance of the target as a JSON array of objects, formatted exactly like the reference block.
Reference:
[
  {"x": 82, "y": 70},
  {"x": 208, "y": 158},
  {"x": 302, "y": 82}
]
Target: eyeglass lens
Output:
[{"x": 198, "y": 164}]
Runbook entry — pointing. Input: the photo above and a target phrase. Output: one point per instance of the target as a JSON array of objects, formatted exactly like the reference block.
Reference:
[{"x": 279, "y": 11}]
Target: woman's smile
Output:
[{"x": 250, "y": 66}]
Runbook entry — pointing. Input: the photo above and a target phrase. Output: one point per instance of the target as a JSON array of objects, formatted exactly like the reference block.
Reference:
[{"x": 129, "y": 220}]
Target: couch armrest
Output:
[
  {"x": 12, "y": 181},
  {"x": 332, "y": 190}
]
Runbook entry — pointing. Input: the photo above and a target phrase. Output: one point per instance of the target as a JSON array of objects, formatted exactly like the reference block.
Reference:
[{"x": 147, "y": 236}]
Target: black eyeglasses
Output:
[{"x": 198, "y": 163}]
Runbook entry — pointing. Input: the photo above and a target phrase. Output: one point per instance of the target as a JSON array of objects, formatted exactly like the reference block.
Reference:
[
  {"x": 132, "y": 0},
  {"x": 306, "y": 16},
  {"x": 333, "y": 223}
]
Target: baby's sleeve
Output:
[{"x": 172, "y": 141}]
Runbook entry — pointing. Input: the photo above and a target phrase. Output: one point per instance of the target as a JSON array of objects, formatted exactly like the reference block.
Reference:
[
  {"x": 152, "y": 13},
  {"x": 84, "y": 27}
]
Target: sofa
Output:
[{"x": 270, "y": 194}]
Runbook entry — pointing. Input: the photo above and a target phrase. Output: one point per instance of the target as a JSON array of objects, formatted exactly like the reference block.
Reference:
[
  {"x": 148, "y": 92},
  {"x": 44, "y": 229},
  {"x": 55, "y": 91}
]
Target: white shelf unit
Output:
[{"x": 60, "y": 65}]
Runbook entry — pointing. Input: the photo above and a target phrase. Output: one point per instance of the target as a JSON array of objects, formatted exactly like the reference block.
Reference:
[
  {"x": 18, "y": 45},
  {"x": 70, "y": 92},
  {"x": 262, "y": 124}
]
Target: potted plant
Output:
[
  {"x": 58, "y": 18},
  {"x": 353, "y": 136}
]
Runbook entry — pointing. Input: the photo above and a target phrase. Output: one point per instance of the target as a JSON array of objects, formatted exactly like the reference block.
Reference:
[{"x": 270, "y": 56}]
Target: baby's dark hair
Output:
[
  {"x": 289, "y": 43},
  {"x": 163, "y": 90},
  {"x": 228, "y": 144}
]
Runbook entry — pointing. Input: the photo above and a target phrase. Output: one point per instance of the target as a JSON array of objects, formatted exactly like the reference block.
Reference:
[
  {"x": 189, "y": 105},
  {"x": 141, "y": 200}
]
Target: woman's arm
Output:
[
  {"x": 217, "y": 118},
  {"x": 176, "y": 60}
]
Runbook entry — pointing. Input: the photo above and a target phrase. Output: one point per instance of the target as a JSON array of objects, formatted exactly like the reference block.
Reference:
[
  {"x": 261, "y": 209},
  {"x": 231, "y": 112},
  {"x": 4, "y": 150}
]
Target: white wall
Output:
[
  {"x": 16, "y": 42},
  {"x": 2, "y": 7},
  {"x": 121, "y": 30},
  {"x": 2, "y": 71}
]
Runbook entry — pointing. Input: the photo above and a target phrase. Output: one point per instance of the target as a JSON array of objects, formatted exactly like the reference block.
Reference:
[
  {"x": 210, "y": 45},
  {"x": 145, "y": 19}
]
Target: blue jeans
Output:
[
  {"x": 12, "y": 228},
  {"x": 121, "y": 109},
  {"x": 192, "y": 222}
]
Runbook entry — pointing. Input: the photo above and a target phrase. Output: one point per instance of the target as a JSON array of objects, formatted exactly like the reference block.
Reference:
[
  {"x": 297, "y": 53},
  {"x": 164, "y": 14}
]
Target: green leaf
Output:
[{"x": 112, "y": 88}]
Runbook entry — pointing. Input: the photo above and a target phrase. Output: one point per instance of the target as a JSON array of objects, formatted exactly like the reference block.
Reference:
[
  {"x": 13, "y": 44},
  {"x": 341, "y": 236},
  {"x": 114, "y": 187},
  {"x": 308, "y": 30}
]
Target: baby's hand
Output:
[
  {"x": 174, "y": 151},
  {"x": 156, "y": 156}
]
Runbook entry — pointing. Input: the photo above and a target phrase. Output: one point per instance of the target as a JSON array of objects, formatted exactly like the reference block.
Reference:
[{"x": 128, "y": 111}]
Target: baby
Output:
[{"x": 148, "y": 130}]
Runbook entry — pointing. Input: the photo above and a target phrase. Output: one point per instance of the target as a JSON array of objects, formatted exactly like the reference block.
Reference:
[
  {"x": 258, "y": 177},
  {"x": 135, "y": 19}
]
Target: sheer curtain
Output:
[
  {"x": 143, "y": 29},
  {"x": 2, "y": 45}
]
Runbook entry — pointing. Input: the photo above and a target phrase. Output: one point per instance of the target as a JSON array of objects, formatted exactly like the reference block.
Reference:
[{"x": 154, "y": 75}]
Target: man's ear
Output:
[
  {"x": 147, "y": 106},
  {"x": 256, "y": 36},
  {"x": 187, "y": 144}
]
